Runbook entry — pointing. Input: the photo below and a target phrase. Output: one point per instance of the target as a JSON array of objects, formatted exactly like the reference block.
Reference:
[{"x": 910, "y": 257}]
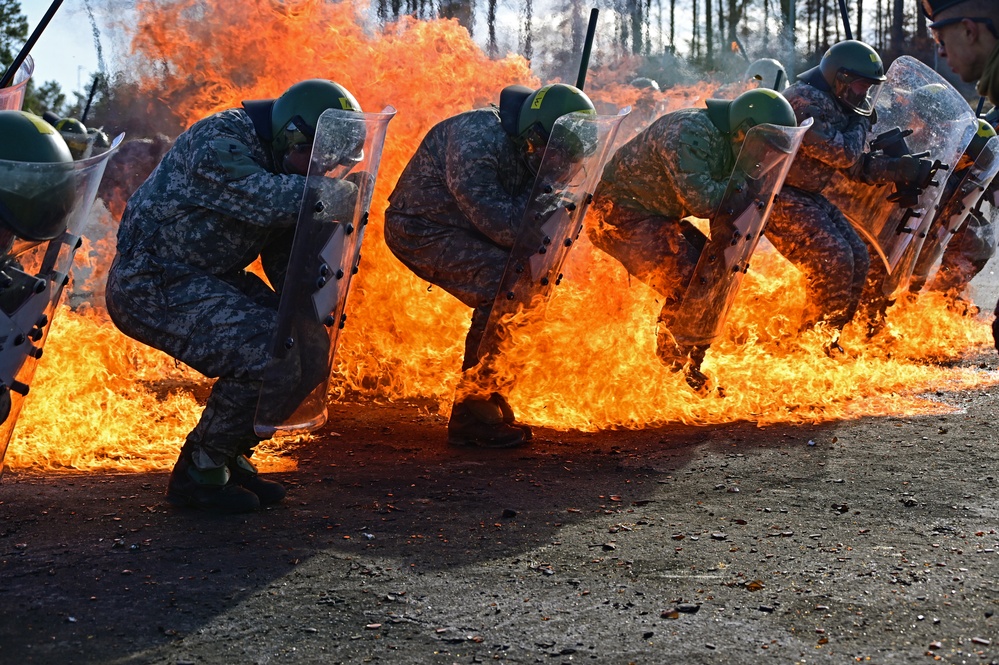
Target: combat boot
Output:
[
  {"x": 245, "y": 474},
  {"x": 508, "y": 417},
  {"x": 199, "y": 481},
  {"x": 479, "y": 423}
]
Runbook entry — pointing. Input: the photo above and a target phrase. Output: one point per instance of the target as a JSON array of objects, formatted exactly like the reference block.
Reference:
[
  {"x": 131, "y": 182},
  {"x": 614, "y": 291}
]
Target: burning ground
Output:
[{"x": 100, "y": 401}]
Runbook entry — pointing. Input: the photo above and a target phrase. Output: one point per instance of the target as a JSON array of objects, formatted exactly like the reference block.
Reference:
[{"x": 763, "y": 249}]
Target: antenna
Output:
[
  {"x": 8, "y": 76},
  {"x": 587, "y": 46}
]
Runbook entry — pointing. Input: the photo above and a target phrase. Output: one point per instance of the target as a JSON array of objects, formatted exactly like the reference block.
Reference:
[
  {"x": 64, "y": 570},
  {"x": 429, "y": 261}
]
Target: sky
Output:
[{"x": 65, "y": 52}]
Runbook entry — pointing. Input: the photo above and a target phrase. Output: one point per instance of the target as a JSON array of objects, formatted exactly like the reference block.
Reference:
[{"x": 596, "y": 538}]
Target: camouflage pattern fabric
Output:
[
  {"x": 807, "y": 229},
  {"x": 818, "y": 240},
  {"x": 128, "y": 168},
  {"x": 456, "y": 211},
  {"x": 965, "y": 256},
  {"x": 178, "y": 282},
  {"x": 837, "y": 140},
  {"x": 679, "y": 166}
]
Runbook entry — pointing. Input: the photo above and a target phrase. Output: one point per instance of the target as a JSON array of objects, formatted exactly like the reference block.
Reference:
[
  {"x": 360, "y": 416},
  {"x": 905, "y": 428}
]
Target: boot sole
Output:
[{"x": 461, "y": 442}]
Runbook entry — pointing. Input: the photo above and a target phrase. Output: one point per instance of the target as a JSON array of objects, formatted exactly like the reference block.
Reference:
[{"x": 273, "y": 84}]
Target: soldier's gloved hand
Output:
[
  {"x": 363, "y": 180},
  {"x": 913, "y": 171},
  {"x": 334, "y": 198}
]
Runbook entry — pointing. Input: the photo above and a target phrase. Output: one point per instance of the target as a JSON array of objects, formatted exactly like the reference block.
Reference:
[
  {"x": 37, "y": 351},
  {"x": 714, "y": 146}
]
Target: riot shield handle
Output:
[{"x": 892, "y": 142}]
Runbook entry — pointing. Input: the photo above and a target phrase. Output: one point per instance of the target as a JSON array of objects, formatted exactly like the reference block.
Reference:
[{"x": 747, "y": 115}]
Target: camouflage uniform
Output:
[
  {"x": 178, "y": 282},
  {"x": 678, "y": 167},
  {"x": 456, "y": 210},
  {"x": 807, "y": 229}
]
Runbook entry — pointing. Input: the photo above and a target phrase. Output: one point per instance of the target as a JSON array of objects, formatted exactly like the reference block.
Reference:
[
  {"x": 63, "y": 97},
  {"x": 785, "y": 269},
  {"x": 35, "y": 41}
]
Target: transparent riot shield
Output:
[
  {"x": 43, "y": 209},
  {"x": 12, "y": 97},
  {"x": 951, "y": 215},
  {"x": 325, "y": 254},
  {"x": 563, "y": 189},
  {"x": 914, "y": 98},
  {"x": 764, "y": 160}
]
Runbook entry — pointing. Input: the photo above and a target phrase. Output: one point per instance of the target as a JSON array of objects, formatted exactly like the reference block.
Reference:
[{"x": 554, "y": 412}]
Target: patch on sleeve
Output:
[
  {"x": 235, "y": 159},
  {"x": 692, "y": 151}
]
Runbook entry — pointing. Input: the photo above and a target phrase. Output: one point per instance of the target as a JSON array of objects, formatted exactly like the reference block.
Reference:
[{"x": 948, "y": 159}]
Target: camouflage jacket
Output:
[
  {"x": 213, "y": 202},
  {"x": 678, "y": 166},
  {"x": 467, "y": 173},
  {"x": 838, "y": 141}
]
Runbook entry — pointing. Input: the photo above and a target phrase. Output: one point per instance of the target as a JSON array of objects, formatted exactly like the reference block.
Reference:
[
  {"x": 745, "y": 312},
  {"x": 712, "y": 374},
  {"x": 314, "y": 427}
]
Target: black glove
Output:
[
  {"x": 905, "y": 171},
  {"x": 911, "y": 171}
]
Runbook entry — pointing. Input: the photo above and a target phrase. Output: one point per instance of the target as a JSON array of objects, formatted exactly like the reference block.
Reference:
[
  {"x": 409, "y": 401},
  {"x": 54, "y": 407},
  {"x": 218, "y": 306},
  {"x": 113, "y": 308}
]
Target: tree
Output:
[
  {"x": 13, "y": 30},
  {"x": 13, "y": 33}
]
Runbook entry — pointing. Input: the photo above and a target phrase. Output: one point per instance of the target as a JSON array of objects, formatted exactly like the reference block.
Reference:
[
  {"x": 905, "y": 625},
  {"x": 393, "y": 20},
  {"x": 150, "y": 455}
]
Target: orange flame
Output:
[{"x": 100, "y": 400}]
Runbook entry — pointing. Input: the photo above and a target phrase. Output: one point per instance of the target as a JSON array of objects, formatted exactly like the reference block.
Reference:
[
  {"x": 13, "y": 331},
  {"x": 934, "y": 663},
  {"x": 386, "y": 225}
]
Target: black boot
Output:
[
  {"x": 200, "y": 481},
  {"x": 507, "y": 411},
  {"x": 479, "y": 422},
  {"x": 245, "y": 475}
]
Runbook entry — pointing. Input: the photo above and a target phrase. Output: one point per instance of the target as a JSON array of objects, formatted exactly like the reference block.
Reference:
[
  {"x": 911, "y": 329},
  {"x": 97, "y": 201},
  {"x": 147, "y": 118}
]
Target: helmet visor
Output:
[{"x": 856, "y": 92}]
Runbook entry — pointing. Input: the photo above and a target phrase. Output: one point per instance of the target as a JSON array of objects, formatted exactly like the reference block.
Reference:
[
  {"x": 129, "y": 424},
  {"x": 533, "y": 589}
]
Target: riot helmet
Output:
[
  {"x": 36, "y": 177},
  {"x": 75, "y": 134},
  {"x": 101, "y": 140},
  {"x": 735, "y": 117},
  {"x": 288, "y": 124},
  {"x": 643, "y": 82},
  {"x": 766, "y": 73},
  {"x": 538, "y": 114},
  {"x": 983, "y": 132},
  {"x": 854, "y": 73}
]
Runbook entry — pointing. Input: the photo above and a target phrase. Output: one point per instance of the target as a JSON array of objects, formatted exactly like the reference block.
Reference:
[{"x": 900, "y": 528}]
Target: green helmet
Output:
[
  {"x": 548, "y": 104},
  {"x": 36, "y": 177},
  {"x": 643, "y": 82},
  {"x": 101, "y": 139},
  {"x": 766, "y": 73},
  {"x": 751, "y": 108},
  {"x": 854, "y": 73},
  {"x": 295, "y": 113},
  {"x": 75, "y": 134},
  {"x": 984, "y": 132},
  {"x": 537, "y": 118}
]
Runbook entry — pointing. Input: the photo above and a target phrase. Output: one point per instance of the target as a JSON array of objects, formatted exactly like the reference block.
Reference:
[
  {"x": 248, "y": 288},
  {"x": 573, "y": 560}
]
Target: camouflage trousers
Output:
[
  {"x": 660, "y": 251},
  {"x": 459, "y": 260},
  {"x": 818, "y": 240},
  {"x": 220, "y": 326}
]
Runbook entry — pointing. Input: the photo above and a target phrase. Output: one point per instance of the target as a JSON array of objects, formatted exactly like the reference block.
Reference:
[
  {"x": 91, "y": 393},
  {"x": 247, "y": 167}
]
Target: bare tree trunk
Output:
[
  {"x": 491, "y": 23},
  {"x": 528, "y": 50},
  {"x": 695, "y": 38},
  {"x": 921, "y": 34},
  {"x": 709, "y": 35},
  {"x": 672, "y": 25},
  {"x": 859, "y": 32},
  {"x": 463, "y": 10},
  {"x": 897, "y": 32},
  {"x": 766, "y": 26},
  {"x": 636, "y": 26}
]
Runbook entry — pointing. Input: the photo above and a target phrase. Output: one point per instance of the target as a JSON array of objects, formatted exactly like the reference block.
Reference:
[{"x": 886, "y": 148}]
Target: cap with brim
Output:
[
  {"x": 933, "y": 7},
  {"x": 718, "y": 113}
]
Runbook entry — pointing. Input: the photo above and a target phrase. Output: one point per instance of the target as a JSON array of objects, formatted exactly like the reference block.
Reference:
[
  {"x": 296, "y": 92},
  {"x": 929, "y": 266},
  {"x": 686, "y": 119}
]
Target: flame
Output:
[{"x": 102, "y": 401}]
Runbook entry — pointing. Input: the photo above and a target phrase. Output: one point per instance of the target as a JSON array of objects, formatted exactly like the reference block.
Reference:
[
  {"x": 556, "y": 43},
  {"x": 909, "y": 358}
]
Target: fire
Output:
[{"x": 102, "y": 401}]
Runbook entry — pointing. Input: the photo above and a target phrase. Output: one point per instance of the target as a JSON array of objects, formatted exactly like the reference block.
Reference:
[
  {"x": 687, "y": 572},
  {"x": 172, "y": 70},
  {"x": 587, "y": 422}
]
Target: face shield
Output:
[
  {"x": 856, "y": 92},
  {"x": 571, "y": 140}
]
